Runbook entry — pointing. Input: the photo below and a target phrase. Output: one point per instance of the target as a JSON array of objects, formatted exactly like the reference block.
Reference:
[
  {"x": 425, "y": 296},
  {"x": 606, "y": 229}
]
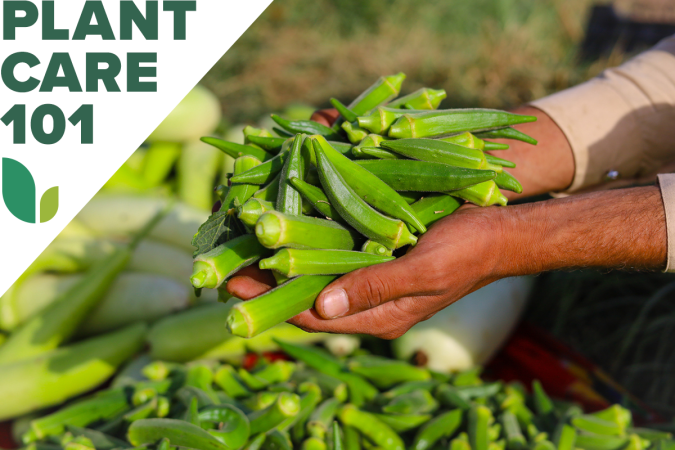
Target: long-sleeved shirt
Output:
[{"x": 621, "y": 127}]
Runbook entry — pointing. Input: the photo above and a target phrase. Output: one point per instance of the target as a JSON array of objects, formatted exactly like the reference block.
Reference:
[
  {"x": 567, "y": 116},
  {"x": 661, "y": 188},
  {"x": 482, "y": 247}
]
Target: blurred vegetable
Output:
[{"x": 198, "y": 167}]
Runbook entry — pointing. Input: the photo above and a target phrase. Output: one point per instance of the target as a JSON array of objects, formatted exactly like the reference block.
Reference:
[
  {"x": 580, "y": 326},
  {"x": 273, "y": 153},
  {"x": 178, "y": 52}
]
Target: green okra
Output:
[
  {"x": 240, "y": 193},
  {"x": 486, "y": 390},
  {"x": 307, "y": 127},
  {"x": 419, "y": 401},
  {"x": 261, "y": 400},
  {"x": 384, "y": 90},
  {"x": 262, "y": 173},
  {"x": 596, "y": 425},
  {"x": 233, "y": 426},
  {"x": 390, "y": 232},
  {"x": 101, "y": 441},
  {"x": 317, "y": 198},
  {"x": 401, "y": 423},
  {"x": 587, "y": 441},
  {"x": 278, "y": 440},
  {"x": 564, "y": 438},
  {"x": 376, "y": 248},
  {"x": 256, "y": 442},
  {"x": 289, "y": 200},
  {"x": 268, "y": 143},
  {"x": 322, "y": 418},
  {"x": 376, "y": 153},
  {"x": 276, "y": 230},
  {"x": 372, "y": 143},
  {"x": 650, "y": 434},
  {"x": 494, "y": 432},
  {"x": 515, "y": 440},
  {"x": 542, "y": 402},
  {"x": 270, "y": 191},
  {"x": 434, "y": 207},
  {"x": 287, "y": 405},
  {"x": 507, "y": 181},
  {"x": 637, "y": 443},
  {"x": 489, "y": 146},
  {"x": 459, "y": 444},
  {"x": 238, "y": 150},
  {"x": 442, "y": 426},
  {"x": 445, "y": 122},
  {"x": 308, "y": 402},
  {"x": 380, "y": 119},
  {"x": 368, "y": 187},
  {"x": 465, "y": 139},
  {"x": 616, "y": 414},
  {"x": 507, "y": 133},
  {"x": 441, "y": 152},
  {"x": 499, "y": 161},
  {"x": 332, "y": 387},
  {"x": 250, "y": 131},
  {"x": 186, "y": 393},
  {"x": 469, "y": 377},
  {"x": 384, "y": 372},
  {"x": 283, "y": 133},
  {"x": 179, "y": 433},
  {"x": 211, "y": 269},
  {"x": 227, "y": 379},
  {"x": 407, "y": 387},
  {"x": 352, "y": 439},
  {"x": 354, "y": 132},
  {"x": 411, "y": 197},
  {"x": 337, "y": 437},
  {"x": 192, "y": 413},
  {"x": 313, "y": 443},
  {"x": 250, "y": 212},
  {"x": 423, "y": 176},
  {"x": 248, "y": 319},
  {"x": 424, "y": 98},
  {"x": 479, "y": 421},
  {"x": 371, "y": 427},
  {"x": 143, "y": 395},
  {"x": 278, "y": 371},
  {"x": 345, "y": 112},
  {"x": 543, "y": 444},
  {"x": 483, "y": 194},
  {"x": 294, "y": 262}
]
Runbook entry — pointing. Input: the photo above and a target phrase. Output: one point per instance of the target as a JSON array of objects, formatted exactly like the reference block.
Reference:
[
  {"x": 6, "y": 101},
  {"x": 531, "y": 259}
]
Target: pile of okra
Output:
[
  {"x": 320, "y": 402},
  {"x": 318, "y": 201}
]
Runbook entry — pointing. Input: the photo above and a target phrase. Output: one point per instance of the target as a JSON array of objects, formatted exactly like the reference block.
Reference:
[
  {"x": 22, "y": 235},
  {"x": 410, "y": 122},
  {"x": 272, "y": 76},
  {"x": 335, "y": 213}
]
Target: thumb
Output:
[{"x": 365, "y": 289}]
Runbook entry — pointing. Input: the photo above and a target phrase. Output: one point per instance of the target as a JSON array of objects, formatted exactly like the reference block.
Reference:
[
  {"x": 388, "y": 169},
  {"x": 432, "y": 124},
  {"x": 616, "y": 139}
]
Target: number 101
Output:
[{"x": 84, "y": 117}]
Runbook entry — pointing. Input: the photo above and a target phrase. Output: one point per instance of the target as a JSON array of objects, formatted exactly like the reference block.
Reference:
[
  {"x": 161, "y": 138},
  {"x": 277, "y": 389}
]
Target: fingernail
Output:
[{"x": 335, "y": 303}]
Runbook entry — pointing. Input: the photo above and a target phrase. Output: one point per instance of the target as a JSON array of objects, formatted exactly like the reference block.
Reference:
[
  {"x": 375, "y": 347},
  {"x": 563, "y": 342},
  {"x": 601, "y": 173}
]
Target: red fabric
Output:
[{"x": 6, "y": 435}]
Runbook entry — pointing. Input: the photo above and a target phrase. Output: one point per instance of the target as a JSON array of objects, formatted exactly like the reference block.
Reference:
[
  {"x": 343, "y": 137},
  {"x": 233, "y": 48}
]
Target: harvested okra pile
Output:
[
  {"x": 324, "y": 403},
  {"x": 318, "y": 202}
]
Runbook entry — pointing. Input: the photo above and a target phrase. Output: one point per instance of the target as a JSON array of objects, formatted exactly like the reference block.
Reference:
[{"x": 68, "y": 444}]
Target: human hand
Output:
[{"x": 325, "y": 116}]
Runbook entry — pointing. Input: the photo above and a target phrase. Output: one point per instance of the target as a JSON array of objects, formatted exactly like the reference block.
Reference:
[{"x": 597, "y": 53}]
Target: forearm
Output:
[{"x": 611, "y": 229}]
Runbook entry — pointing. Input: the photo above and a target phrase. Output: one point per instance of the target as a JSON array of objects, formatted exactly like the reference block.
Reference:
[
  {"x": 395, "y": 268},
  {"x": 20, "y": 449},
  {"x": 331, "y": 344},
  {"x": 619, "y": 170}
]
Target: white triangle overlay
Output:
[{"x": 122, "y": 121}]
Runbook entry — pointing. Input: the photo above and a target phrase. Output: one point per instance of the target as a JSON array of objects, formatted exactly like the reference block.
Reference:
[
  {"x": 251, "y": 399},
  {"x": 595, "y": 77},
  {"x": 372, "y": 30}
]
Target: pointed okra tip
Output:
[
  {"x": 436, "y": 96},
  {"x": 237, "y": 323},
  {"x": 396, "y": 81}
]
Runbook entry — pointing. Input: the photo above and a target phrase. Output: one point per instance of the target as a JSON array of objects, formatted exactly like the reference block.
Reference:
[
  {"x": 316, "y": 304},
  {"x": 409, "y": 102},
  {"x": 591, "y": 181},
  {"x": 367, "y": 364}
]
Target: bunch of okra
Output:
[
  {"x": 320, "y": 402},
  {"x": 372, "y": 182}
]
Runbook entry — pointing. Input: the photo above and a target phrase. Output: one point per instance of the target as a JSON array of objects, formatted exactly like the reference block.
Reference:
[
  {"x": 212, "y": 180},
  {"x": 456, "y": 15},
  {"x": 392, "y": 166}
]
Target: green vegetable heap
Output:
[
  {"x": 321, "y": 402},
  {"x": 373, "y": 182}
]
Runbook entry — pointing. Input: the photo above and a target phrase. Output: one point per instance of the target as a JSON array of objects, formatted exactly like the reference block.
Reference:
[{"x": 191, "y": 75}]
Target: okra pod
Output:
[
  {"x": 345, "y": 112},
  {"x": 459, "y": 444},
  {"x": 507, "y": 133},
  {"x": 401, "y": 423},
  {"x": 424, "y": 98},
  {"x": 499, "y": 161},
  {"x": 372, "y": 142},
  {"x": 278, "y": 440},
  {"x": 407, "y": 387},
  {"x": 248, "y": 319},
  {"x": 449, "y": 396},
  {"x": 441, "y": 427},
  {"x": 322, "y": 418},
  {"x": 381, "y": 119},
  {"x": 415, "y": 402},
  {"x": 596, "y": 425},
  {"x": 649, "y": 434},
  {"x": 101, "y": 441},
  {"x": 270, "y": 191},
  {"x": 289, "y": 200},
  {"x": 276, "y": 230},
  {"x": 279, "y": 371},
  {"x": 354, "y": 132},
  {"x": 587, "y": 441},
  {"x": 479, "y": 420},
  {"x": 317, "y": 198},
  {"x": 371, "y": 427},
  {"x": 227, "y": 379},
  {"x": 384, "y": 372},
  {"x": 352, "y": 439},
  {"x": 616, "y": 414},
  {"x": 465, "y": 139},
  {"x": 384, "y": 90},
  {"x": 268, "y": 143},
  {"x": 489, "y": 146},
  {"x": 376, "y": 248},
  {"x": 261, "y": 400},
  {"x": 565, "y": 437},
  {"x": 375, "y": 153},
  {"x": 434, "y": 207},
  {"x": 307, "y": 127},
  {"x": 337, "y": 437},
  {"x": 514, "y": 437},
  {"x": 179, "y": 433},
  {"x": 250, "y": 131},
  {"x": 440, "y": 152},
  {"x": 316, "y": 358},
  {"x": 238, "y": 150},
  {"x": 422, "y": 176},
  {"x": 233, "y": 425},
  {"x": 390, "y": 232},
  {"x": 507, "y": 181},
  {"x": 483, "y": 194},
  {"x": 294, "y": 262},
  {"x": 370, "y": 188},
  {"x": 239, "y": 194},
  {"x": 211, "y": 269},
  {"x": 262, "y": 173},
  {"x": 250, "y": 212},
  {"x": 313, "y": 443},
  {"x": 256, "y": 442},
  {"x": 287, "y": 405},
  {"x": 439, "y": 123},
  {"x": 192, "y": 413},
  {"x": 310, "y": 398}
]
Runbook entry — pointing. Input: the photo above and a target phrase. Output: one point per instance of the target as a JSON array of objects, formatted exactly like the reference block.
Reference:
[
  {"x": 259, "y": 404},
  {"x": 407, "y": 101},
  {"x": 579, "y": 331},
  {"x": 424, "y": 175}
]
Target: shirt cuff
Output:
[{"x": 667, "y": 185}]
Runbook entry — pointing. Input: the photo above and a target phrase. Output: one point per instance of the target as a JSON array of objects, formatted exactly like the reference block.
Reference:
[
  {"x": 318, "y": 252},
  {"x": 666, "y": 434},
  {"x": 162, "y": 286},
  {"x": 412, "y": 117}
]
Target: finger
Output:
[
  {"x": 325, "y": 116},
  {"x": 262, "y": 276},
  {"x": 246, "y": 288},
  {"x": 369, "y": 287}
]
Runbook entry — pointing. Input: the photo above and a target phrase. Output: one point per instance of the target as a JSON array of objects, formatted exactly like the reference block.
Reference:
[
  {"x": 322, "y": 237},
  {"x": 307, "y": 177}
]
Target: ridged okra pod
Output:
[
  {"x": 376, "y": 248},
  {"x": 384, "y": 90},
  {"x": 337, "y": 437},
  {"x": 564, "y": 437},
  {"x": 507, "y": 181},
  {"x": 371, "y": 427},
  {"x": 483, "y": 194},
  {"x": 276, "y": 230},
  {"x": 507, "y": 133},
  {"x": 233, "y": 425},
  {"x": 313, "y": 443},
  {"x": 179, "y": 433},
  {"x": 211, "y": 269},
  {"x": 441, "y": 427},
  {"x": 311, "y": 396},
  {"x": 371, "y": 189},
  {"x": 424, "y": 98},
  {"x": 287, "y": 405},
  {"x": 389, "y": 232},
  {"x": 227, "y": 379},
  {"x": 450, "y": 121},
  {"x": 499, "y": 161},
  {"x": 270, "y": 144},
  {"x": 354, "y": 132},
  {"x": 449, "y": 397},
  {"x": 322, "y": 418},
  {"x": 294, "y": 262},
  {"x": 423, "y": 176},
  {"x": 515, "y": 440},
  {"x": 377, "y": 153},
  {"x": 479, "y": 421},
  {"x": 250, "y": 132},
  {"x": 306, "y": 127},
  {"x": 317, "y": 198},
  {"x": 432, "y": 150},
  {"x": 371, "y": 142},
  {"x": 346, "y": 113},
  {"x": 596, "y": 425},
  {"x": 401, "y": 423},
  {"x": 238, "y": 194},
  {"x": 434, "y": 207},
  {"x": 289, "y": 200},
  {"x": 270, "y": 191},
  {"x": 385, "y": 372},
  {"x": 238, "y": 150},
  {"x": 380, "y": 120},
  {"x": 263, "y": 173},
  {"x": 465, "y": 139},
  {"x": 250, "y": 212},
  {"x": 599, "y": 442},
  {"x": 248, "y": 319},
  {"x": 419, "y": 401}
]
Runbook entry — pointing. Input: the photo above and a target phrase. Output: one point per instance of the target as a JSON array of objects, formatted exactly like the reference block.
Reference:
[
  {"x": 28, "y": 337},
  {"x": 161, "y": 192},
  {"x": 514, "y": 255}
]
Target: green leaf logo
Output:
[{"x": 18, "y": 192}]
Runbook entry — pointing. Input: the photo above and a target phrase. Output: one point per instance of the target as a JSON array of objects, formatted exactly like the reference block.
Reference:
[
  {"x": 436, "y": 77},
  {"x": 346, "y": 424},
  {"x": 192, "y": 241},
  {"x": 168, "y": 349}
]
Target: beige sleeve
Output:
[{"x": 667, "y": 184}]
